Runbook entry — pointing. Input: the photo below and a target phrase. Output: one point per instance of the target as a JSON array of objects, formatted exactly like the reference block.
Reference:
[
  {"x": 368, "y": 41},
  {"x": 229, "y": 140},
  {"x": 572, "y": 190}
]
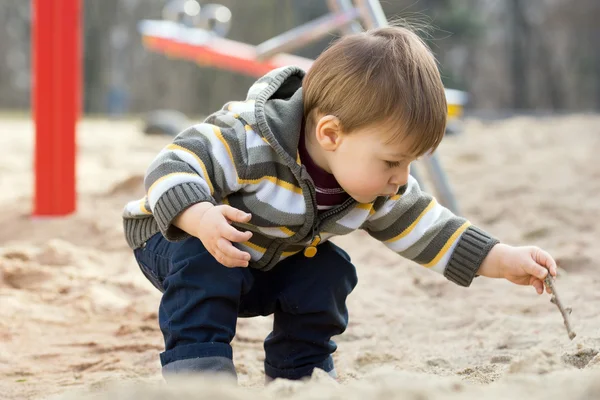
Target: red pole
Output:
[{"x": 56, "y": 96}]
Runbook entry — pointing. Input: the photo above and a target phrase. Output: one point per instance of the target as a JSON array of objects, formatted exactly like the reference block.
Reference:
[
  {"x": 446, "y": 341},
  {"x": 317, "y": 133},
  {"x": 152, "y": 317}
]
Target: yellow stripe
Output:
[
  {"x": 162, "y": 178},
  {"x": 415, "y": 222},
  {"x": 173, "y": 146},
  {"x": 367, "y": 206},
  {"x": 286, "y": 231},
  {"x": 278, "y": 182},
  {"x": 143, "y": 206},
  {"x": 449, "y": 243},
  {"x": 298, "y": 158},
  {"x": 247, "y": 128},
  {"x": 254, "y": 246},
  {"x": 395, "y": 197},
  {"x": 219, "y": 135}
]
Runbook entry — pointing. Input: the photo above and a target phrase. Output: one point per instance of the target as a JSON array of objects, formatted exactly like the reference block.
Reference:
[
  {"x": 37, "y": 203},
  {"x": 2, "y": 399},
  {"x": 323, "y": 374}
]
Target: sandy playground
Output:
[{"x": 76, "y": 314}]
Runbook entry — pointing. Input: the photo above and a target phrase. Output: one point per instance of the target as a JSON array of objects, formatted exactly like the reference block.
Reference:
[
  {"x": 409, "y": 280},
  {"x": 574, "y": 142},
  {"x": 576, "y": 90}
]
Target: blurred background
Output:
[{"x": 525, "y": 56}]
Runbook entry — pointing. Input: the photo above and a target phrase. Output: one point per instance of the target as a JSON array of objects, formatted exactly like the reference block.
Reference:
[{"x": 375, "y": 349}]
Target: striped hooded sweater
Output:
[{"x": 246, "y": 155}]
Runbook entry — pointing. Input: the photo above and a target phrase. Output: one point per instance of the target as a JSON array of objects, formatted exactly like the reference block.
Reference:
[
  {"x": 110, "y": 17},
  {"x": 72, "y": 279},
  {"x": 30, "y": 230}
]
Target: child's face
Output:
[{"x": 366, "y": 166}]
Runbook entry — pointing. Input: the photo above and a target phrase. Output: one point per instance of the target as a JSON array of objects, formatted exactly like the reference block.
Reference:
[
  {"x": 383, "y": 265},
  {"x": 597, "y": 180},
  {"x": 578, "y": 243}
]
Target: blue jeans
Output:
[{"x": 202, "y": 300}]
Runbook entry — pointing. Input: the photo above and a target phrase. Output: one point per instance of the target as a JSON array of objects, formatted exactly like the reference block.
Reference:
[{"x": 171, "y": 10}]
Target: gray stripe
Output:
[
  {"x": 338, "y": 229},
  {"x": 261, "y": 240},
  {"x": 413, "y": 251},
  {"x": 443, "y": 231},
  {"x": 237, "y": 144},
  {"x": 262, "y": 154},
  {"x": 264, "y": 214},
  {"x": 398, "y": 222},
  {"x": 171, "y": 163},
  {"x": 399, "y": 212},
  {"x": 201, "y": 146},
  {"x": 281, "y": 172}
]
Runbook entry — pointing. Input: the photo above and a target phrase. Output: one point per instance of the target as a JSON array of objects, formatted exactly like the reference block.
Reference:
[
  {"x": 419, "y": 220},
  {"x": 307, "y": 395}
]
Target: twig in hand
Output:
[{"x": 565, "y": 311}]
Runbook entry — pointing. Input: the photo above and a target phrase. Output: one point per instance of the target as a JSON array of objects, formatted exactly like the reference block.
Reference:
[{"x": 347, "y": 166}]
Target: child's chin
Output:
[{"x": 364, "y": 199}]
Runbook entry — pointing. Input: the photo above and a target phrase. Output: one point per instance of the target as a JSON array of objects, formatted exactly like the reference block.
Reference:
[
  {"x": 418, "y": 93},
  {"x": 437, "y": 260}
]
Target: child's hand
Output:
[
  {"x": 528, "y": 265},
  {"x": 212, "y": 225}
]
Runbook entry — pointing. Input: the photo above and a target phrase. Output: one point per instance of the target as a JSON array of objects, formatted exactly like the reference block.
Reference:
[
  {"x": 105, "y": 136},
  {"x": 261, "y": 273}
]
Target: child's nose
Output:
[{"x": 400, "y": 178}]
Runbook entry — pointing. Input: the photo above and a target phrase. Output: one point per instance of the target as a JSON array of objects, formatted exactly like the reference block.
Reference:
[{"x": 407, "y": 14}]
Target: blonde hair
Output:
[{"x": 385, "y": 75}]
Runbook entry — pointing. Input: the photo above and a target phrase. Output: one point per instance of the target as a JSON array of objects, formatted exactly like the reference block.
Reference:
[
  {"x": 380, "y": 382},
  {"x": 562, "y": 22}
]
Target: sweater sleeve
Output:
[
  {"x": 200, "y": 165},
  {"x": 416, "y": 227}
]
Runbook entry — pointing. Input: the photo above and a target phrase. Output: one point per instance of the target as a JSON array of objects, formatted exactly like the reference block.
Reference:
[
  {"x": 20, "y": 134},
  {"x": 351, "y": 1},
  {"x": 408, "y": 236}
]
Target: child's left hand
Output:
[{"x": 527, "y": 265}]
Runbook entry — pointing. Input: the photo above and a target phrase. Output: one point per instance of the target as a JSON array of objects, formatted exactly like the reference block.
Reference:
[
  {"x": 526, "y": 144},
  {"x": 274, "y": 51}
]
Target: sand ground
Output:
[{"x": 76, "y": 313}]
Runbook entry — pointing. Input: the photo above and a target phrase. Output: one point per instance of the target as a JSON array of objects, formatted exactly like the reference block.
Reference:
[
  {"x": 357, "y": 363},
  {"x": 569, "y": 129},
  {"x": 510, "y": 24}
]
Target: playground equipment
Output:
[
  {"x": 196, "y": 32},
  {"x": 55, "y": 102}
]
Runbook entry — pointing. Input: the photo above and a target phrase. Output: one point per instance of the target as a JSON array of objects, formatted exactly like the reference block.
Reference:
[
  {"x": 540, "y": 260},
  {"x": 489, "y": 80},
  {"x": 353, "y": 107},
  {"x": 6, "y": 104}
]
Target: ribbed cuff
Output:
[
  {"x": 471, "y": 250},
  {"x": 172, "y": 203},
  {"x": 138, "y": 230}
]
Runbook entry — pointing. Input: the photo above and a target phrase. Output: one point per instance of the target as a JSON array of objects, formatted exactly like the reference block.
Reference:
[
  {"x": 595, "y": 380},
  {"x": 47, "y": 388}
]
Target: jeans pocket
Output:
[
  {"x": 151, "y": 266},
  {"x": 149, "y": 274}
]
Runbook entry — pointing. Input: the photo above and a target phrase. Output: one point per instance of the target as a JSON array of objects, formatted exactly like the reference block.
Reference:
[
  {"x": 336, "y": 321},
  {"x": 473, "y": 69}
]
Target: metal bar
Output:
[
  {"x": 344, "y": 6},
  {"x": 440, "y": 183},
  {"x": 372, "y": 13},
  {"x": 305, "y": 34}
]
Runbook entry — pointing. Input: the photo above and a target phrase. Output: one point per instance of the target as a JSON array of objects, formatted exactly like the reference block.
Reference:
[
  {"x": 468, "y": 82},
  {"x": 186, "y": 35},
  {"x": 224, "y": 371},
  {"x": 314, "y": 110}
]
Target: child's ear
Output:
[{"x": 329, "y": 132}]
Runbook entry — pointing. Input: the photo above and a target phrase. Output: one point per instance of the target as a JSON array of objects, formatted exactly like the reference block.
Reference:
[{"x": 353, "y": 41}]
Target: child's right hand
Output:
[{"x": 212, "y": 225}]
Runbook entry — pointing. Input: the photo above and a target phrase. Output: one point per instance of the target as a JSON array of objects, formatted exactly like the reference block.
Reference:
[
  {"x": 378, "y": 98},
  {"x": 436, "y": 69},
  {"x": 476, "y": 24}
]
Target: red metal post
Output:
[{"x": 55, "y": 99}]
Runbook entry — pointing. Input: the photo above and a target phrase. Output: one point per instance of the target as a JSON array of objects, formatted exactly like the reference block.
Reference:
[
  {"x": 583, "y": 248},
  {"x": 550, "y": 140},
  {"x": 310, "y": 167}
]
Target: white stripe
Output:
[
  {"x": 419, "y": 230},
  {"x": 239, "y": 107},
  {"x": 133, "y": 208},
  {"x": 355, "y": 218},
  {"x": 254, "y": 140},
  {"x": 282, "y": 199},
  {"x": 273, "y": 232},
  {"x": 162, "y": 186},
  {"x": 254, "y": 254},
  {"x": 192, "y": 162},
  {"x": 256, "y": 88},
  {"x": 319, "y": 207},
  {"x": 326, "y": 236},
  {"x": 221, "y": 156},
  {"x": 387, "y": 207},
  {"x": 329, "y": 190},
  {"x": 440, "y": 266},
  {"x": 390, "y": 204}
]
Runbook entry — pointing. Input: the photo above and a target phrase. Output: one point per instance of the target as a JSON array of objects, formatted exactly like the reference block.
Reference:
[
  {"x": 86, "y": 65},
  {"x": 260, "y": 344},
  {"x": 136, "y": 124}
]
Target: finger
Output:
[
  {"x": 548, "y": 290},
  {"x": 227, "y": 261},
  {"x": 533, "y": 268},
  {"x": 232, "y": 234},
  {"x": 538, "y": 285},
  {"x": 233, "y": 214},
  {"x": 231, "y": 251},
  {"x": 544, "y": 259}
]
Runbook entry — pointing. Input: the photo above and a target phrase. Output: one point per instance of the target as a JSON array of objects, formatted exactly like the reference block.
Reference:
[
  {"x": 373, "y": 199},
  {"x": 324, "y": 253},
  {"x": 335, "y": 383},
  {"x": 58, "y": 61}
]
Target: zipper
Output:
[{"x": 311, "y": 250}]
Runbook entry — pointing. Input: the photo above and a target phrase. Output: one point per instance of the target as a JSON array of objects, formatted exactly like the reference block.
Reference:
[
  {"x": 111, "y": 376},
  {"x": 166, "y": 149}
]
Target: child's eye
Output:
[{"x": 393, "y": 164}]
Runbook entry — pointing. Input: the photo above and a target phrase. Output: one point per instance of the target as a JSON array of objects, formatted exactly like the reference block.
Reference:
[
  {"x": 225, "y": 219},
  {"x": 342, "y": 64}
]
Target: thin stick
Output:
[{"x": 563, "y": 310}]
